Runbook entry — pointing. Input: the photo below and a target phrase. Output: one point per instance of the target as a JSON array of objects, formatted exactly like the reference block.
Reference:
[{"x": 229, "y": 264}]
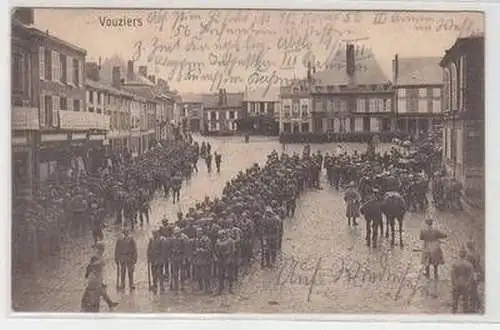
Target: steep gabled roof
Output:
[
  {"x": 368, "y": 72},
  {"x": 419, "y": 71}
]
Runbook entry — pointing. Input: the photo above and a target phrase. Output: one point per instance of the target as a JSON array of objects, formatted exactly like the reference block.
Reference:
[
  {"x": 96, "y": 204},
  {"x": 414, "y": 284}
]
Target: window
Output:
[
  {"x": 231, "y": 114},
  {"x": 360, "y": 105},
  {"x": 64, "y": 68},
  {"x": 366, "y": 124},
  {"x": 48, "y": 110},
  {"x": 69, "y": 72},
  {"x": 386, "y": 125},
  {"x": 388, "y": 105},
  {"x": 76, "y": 105},
  {"x": 337, "y": 105},
  {"x": 329, "y": 105},
  {"x": 422, "y": 92},
  {"x": 305, "y": 127},
  {"x": 436, "y": 93},
  {"x": 69, "y": 103},
  {"x": 270, "y": 108},
  {"x": 286, "y": 111},
  {"x": 252, "y": 107},
  {"x": 412, "y": 100},
  {"x": 402, "y": 93},
  {"x": 213, "y": 125},
  {"x": 295, "y": 109},
  {"x": 305, "y": 112},
  {"x": 17, "y": 73},
  {"x": 91, "y": 96},
  {"x": 76, "y": 72},
  {"x": 262, "y": 107},
  {"x": 287, "y": 127},
  {"x": 48, "y": 64},
  {"x": 99, "y": 97},
  {"x": 318, "y": 104},
  {"x": 330, "y": 124},
  {"x": 257, "y": 107},
  {"x": 213, "y": 115},
  {"x": 63, "y": 103}
]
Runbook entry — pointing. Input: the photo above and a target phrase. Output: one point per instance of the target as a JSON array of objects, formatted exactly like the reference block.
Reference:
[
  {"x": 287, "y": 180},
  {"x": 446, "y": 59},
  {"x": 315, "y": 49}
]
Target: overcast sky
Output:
[{"x": 409, "y": 34}]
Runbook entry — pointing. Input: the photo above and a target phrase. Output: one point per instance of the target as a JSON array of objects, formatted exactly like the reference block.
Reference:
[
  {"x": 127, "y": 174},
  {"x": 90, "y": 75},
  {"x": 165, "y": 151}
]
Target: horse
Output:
[
  {"x": 374, "y": 220},
  {"x": 394, "y": 207}
]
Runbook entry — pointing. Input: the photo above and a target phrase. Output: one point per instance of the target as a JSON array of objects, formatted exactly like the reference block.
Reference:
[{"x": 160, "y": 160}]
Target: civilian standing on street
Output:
[{"x": 218, "y": 159}]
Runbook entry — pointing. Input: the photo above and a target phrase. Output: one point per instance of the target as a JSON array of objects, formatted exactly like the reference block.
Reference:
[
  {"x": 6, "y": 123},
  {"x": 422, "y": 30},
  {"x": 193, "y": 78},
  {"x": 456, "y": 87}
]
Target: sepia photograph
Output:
[{"x": 248, "y": 161}]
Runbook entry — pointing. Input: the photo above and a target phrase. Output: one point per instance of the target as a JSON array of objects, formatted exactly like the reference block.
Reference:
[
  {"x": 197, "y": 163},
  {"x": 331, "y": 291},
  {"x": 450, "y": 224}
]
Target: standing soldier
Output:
[
  {"x": 431, "y": 252},
  {"x": 271, "y": 231},
  {"x": 155, "y": 261},
  {"x": 208, "y": 161},
  {"x": 126, "y": 258},
  {"x": 177, "y": 260},
  {"x": 144, "y": 207},
  {"x": 96, "y": 224},
  {"x": 176, "y": 186},
  {"x": 236, "y": 234},
  {"x": 224, "y": 258},
  {"x": 202, "y": 261},
  {"x": 462, "y": 273},
  {"x": 218, "y": 159},
  {"x": 474, "y": 258},
  {"x": 352, "y": 200}
]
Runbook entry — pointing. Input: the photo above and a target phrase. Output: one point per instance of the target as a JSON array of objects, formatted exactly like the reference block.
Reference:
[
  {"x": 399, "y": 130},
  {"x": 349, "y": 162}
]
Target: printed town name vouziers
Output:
[{"x": 116, "y": 22}]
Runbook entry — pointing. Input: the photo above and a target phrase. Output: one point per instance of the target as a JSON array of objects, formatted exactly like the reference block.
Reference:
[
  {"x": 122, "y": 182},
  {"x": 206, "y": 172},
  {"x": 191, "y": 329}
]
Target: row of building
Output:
[{"x": 62, "y": 108}]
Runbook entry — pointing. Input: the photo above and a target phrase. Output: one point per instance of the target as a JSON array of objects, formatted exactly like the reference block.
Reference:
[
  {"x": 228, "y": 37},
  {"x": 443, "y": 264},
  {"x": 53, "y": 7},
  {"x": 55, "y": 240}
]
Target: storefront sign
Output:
[
  {"x": 25, "y": 118},
  {"x": 83, "y": 120}
]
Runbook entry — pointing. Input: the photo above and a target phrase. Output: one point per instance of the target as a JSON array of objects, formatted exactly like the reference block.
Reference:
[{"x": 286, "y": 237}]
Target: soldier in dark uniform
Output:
[
  {"x": 462, "y": 273},
  {"x": 271, "y": 226},
  {"x": 224, "y": 258},
  {"x": 202, "y": 261},
  {"x": 126, "y": 258},
  {"x": 236, "y": 235},
  {"x": 155, "y": 261},
  {"x": 144, "y": 207},
  {"x": 177, "y": 260},
  {"x": 218, "y": 159},
  {"x": 176, "y": 187},
  {"x": 96, "y": 223},
  {"x": 208, "y": 161}
]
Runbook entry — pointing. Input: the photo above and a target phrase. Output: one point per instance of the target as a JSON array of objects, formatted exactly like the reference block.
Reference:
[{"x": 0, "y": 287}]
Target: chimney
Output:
[
  {"x": 395, "y": 69},
  {"x": 152, "y": 78},
  {"x": 225, "y": 97},
  {"x": 130, "y": 70},
  {"x": 221, "y": 96},
  {"x": 143, "y": 71},
  {"x": 350, "y": 61},
  {"x": 92, "y": 71},
  {"x": 116, "y": 77},
  {"x": 25, "y": 15}
]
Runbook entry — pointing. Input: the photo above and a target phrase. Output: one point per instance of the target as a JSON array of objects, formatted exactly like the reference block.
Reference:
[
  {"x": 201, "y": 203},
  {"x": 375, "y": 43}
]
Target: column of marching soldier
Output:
[{"x": 216, "y": 238}]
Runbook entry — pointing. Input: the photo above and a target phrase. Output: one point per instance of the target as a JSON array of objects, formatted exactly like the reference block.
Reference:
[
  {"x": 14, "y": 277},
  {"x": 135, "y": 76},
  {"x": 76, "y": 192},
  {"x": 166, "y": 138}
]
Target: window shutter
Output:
[
  {"x": 42, "y": 111},
  {"x": 69, "y": 70},
  {"x": 80, "y": 74},
  {"x": 56, "y": 105},
  {"x": 55, "y": 61},
  {"x": 41, "y": 61}
]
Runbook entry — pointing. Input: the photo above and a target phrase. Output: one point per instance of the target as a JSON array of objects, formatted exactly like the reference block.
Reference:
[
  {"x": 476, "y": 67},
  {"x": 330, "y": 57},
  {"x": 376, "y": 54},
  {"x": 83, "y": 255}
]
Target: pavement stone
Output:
[{"x": 317, "y": 268}]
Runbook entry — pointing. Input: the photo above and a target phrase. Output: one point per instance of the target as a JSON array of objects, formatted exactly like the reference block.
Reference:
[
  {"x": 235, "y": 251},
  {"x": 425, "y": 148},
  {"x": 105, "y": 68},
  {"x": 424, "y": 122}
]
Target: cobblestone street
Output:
[{"x": 325, "y": 265}]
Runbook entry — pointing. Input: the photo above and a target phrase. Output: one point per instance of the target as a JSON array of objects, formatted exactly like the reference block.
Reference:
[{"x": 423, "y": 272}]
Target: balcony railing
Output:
[
  {"x": 83, "y": 120},
  {"x": 24, "y": 118}
]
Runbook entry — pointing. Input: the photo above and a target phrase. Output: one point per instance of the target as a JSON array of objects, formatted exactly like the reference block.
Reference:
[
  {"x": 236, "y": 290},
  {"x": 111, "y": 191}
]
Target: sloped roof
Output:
[
  {"x": 368, "y": 72},
  {"x": 233, "y": 100},
  {"x": 103, "y": 86},
  {"x": 193, "y": 97},
  {"x": 419, "y": 71},
  {"x": 263, "y": 95}
]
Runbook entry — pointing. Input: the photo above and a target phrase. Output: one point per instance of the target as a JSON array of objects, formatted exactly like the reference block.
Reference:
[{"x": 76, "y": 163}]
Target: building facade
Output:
[
  {"x": 355, "y": 97},
  {"x": 221, "y": 113},
  {"x": 260, "y": 112},
  {"x": 191, "y": 111},
  {"x": 295, "y": 108},
  {"x": 114, "y": 102},
  {"x": 463, "y": 110},
  {"x": 60, "y": 129},
  {"x": 418, "y": 84}
]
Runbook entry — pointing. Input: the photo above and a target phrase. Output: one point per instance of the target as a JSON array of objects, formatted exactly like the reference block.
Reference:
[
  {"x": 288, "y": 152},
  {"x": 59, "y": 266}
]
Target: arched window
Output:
[{"x": 454, "y": 87}]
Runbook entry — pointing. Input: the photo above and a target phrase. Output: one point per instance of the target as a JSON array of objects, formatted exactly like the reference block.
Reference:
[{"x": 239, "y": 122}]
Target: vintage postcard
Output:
[{"x": 247, "y": 161}]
